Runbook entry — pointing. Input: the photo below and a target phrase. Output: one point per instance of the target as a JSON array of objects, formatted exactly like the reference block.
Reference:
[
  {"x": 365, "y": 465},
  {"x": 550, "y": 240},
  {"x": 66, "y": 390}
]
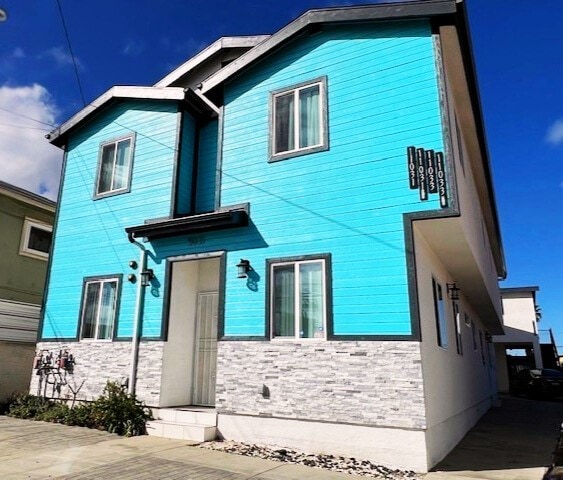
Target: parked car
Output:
[{"x": 538, "y": 383}]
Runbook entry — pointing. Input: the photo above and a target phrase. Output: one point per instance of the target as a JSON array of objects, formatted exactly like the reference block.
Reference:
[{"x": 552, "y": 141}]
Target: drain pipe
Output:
[{"x": 138, "y": 315}]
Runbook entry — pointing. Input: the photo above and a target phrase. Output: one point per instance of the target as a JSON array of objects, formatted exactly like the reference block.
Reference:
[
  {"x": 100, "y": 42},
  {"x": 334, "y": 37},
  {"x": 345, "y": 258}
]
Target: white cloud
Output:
[
  {"x": 18, "y": 53},
  {"x": 61, "y": 57},
  {"x": 27, "y": 159},
  {"x": 133, "y": 48},
  {"x": 555, "y": 133}
]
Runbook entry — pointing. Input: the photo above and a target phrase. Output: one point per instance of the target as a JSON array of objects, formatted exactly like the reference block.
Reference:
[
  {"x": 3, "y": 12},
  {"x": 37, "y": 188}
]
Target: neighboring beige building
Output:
[
  {"x": 521, "y": 333},
  {"x": 26, "y": 221}
]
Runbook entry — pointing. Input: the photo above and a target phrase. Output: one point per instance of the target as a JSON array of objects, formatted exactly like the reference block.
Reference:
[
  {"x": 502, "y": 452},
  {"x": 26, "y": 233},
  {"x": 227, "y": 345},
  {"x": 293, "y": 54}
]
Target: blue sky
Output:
[{"x": 518, "y": 49}]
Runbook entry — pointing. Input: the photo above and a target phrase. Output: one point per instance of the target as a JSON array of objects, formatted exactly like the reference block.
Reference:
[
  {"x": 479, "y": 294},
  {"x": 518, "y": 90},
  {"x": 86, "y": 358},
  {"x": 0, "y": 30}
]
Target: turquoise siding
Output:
[
  {"x": 185, "y": 169},
  {"x": 91, "y": 240},
  {"x": 348, "y": 201},
  {"x": 207, "y": 168}
]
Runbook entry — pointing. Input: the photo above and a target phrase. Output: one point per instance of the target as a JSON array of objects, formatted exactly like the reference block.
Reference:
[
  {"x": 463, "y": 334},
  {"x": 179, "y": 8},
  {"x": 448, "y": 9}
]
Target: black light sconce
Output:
[
  {"x": 146, "y": 277},
  {"x": 453, "y": 291},
  {"x": 243, "y": 267},
  {"x": 488, "y": 337}
]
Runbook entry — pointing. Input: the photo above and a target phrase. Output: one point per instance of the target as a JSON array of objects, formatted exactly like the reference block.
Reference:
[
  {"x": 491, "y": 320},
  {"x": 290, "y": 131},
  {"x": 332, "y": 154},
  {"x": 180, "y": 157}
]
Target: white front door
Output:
[{"x": 205, "y": 349}]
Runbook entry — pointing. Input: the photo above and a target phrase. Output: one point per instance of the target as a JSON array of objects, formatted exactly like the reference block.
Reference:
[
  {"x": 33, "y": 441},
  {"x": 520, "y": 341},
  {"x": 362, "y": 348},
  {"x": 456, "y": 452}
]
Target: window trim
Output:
[
  {"x": 100, "y": 279},
  {"x": 457, "y": 328},
  {"x": 326, "y": 260},
  {"x": 323, "y": 99},
  {"x": 130, "y": 136},
  {"x": 441, "y": 333},
  {"x": 25, "y": 250}
]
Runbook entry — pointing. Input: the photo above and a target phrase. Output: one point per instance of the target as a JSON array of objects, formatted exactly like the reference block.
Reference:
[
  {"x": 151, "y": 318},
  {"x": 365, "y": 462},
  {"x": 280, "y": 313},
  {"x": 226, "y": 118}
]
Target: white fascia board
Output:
[
  {"x": 143, "y": 93},
  {"x": 27, "y": 197},
  {"x": 208, "y": 52}
]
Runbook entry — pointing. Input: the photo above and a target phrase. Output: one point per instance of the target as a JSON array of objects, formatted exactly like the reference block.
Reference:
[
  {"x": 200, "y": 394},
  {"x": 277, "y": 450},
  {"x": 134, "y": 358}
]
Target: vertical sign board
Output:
[
  {"x": 421, "y": 174},
  {"x": 411, "y": 156},
  {"x": 441, "y": 180},
  {"x": 431, "y": 171}
]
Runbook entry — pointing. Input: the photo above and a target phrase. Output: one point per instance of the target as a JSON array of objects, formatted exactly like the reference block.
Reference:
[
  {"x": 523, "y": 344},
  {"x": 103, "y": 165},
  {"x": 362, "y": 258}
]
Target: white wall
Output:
[
  {"x": 519, "y": 311},
  {"x": 188, "y": 279},
  {"x": 458, "y": 389}
]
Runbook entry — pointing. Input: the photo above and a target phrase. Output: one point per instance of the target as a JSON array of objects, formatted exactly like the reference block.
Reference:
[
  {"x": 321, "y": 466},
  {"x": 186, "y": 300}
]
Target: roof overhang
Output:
[
  {"x": 225, "y": 218},
  {"x": 222, "y": 44},
  {"x": 26, "y": 197},
  {"x": 59, "y": 135},
  {"x": 389, "y": 11}
]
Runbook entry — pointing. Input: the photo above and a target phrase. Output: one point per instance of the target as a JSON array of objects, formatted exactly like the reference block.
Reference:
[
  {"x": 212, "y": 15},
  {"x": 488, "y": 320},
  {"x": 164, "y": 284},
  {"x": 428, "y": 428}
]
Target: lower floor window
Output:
[
  {"x": 298, "y": 298},
  {"x": 99, "y": 308}
]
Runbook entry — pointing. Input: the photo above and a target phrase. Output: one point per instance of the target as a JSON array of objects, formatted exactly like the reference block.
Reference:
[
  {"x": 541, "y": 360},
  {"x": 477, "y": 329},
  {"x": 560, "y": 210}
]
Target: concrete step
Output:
[
  {"x": 195, "y": 416},
  {"x": 181, "y": 431}
]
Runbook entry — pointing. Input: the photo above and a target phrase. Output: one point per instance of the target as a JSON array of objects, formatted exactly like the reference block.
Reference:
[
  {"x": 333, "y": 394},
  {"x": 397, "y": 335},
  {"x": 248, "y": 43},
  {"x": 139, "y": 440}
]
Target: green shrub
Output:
[
  {"x": 115, "y": 411},
  {"x": 29, "y": 406},
  {"x": 119, "y": 412}
]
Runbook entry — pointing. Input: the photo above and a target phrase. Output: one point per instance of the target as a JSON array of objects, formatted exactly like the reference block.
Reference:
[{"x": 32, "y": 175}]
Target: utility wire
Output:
[
  {"x": 25, "y": 116},
  {"x": 74, "y": 64},
  {"x": 23, "y": 126}
]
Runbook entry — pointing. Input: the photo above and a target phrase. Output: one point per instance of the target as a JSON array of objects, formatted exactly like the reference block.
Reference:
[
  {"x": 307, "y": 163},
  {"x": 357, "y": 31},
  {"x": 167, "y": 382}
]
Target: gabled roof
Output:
[
  {"x": 388, "y": 11},
  {"x": 26, "y": 196},
  {"x": 221, "y": 44},
  {"x": 58, "y": 136}
]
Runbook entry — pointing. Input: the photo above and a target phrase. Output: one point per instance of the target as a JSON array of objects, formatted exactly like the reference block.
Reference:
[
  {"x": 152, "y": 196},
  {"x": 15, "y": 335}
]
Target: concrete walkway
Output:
[
  {"x": 513, "y": 442},
  {"x": 38, "y": 451}
]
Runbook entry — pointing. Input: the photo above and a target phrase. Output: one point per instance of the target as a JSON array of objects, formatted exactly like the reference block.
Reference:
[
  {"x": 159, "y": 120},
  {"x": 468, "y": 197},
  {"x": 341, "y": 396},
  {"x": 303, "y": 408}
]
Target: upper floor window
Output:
[
  {"x": 299, "y": 120},
  {"x": 36, "y": 239},
  {"x": 114, "y": 167},
  {"x": 298, "y": 297},
  {"x": 99, "y": 307}
]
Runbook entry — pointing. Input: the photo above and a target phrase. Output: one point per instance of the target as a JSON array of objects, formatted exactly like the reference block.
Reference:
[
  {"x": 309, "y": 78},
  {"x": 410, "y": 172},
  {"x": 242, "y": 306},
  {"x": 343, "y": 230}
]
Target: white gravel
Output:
[{"x": 329, "y": 462}]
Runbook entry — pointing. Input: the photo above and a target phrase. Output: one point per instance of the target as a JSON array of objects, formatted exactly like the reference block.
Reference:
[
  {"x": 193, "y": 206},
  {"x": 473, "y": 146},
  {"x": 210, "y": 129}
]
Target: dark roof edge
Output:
[
  {"x": 471, "y": 75},
  {"x": 26, "y": 194},
  {"x": 533, "y": 288},
  {"x": 388, "y": 11}
]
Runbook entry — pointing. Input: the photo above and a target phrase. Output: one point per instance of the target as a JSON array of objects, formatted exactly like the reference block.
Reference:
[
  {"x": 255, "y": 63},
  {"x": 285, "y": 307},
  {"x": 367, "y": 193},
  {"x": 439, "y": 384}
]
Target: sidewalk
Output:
[
  {"x": 38, "y": 451},
  {"x": 513, "y": 442}
]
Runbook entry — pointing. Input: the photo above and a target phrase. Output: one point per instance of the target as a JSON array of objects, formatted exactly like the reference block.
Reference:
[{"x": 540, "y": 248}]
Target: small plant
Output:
[
  {"x": 120, "y": 412},
  {"x": 29, "y": 406}
]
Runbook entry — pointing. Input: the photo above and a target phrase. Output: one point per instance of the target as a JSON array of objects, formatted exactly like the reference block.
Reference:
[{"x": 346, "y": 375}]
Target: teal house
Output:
[{"x": 291, "y": 239}]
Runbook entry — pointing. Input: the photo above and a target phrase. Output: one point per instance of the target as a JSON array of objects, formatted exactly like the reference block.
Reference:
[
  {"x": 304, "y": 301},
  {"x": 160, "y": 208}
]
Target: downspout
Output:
[{"x": 135, "y": 339}]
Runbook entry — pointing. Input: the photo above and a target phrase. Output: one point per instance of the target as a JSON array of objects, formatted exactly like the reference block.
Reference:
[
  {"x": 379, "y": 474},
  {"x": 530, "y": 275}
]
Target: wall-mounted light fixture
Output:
[
  {"x": 243, "y": 267},
  {"x": 146, "y": 277},
  {"x": 453, "y": 291}
]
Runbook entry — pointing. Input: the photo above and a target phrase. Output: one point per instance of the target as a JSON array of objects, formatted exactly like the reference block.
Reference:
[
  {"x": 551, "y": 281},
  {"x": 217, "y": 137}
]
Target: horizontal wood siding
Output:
[
  {"x": 91, "y": 240},
  {"x": 185, "y": 169},
  {"x": 349, "y": 200},
  {"x": 207, "y": 168}
]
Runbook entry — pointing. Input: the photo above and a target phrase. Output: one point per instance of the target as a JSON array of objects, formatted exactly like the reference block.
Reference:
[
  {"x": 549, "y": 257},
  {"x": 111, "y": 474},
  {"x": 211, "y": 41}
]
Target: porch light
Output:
[
  {"x": 453, "y": 291},
  {"x": 146, "y": 277},
  {"x": 243, "y": 267}
]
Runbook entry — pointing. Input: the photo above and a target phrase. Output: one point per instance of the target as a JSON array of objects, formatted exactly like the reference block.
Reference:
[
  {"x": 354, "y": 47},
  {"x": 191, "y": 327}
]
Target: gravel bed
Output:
[{"x": 328, "y": 462}]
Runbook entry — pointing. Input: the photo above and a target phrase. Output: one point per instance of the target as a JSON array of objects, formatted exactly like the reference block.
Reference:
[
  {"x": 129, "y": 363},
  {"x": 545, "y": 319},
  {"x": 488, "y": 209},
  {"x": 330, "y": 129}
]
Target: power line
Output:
[
  {"x": 26, "y": 116},
  {"x": 74, "y": 64},
  {"x": 23, "y": 126}
]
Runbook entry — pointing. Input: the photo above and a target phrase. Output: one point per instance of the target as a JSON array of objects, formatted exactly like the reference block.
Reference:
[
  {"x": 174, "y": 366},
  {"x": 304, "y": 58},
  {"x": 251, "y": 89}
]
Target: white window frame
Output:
[
  {"x": 323, "y": 120},
  {"x": 297, "y": 298},
  {"x": 101, "y": 281},
  {"x": 441, "y": 316},
  {"x": 25, "y": 249},
  {"x": 127, "y": 187}
]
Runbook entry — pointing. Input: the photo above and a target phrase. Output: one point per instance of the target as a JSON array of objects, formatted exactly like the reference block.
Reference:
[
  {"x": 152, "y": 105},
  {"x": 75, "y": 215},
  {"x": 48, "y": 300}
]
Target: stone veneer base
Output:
[{"x": 98, "y": 362}]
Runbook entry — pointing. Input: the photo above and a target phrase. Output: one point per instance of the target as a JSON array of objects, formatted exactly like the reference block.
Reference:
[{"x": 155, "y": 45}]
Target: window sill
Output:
[{"x": 296, "y": 153}]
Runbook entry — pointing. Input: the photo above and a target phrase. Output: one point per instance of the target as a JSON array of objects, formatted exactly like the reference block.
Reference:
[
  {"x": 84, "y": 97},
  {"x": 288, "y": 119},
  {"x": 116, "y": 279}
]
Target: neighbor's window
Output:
[
  {"x": 298, "y": 298},
  {"x": 114, "y": 169},
  {"x": 99, "y": 308},
  {"x": 299, "y": 120},
  {"x": 440, "y": 312},
  {"x": 36, "y": 239}
]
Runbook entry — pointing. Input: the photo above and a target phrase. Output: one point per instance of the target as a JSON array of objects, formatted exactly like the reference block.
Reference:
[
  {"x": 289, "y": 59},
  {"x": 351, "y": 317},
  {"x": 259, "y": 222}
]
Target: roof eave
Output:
[
  {"x": 391, "y": 11},
  {"x": 58, "y": 136}
]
